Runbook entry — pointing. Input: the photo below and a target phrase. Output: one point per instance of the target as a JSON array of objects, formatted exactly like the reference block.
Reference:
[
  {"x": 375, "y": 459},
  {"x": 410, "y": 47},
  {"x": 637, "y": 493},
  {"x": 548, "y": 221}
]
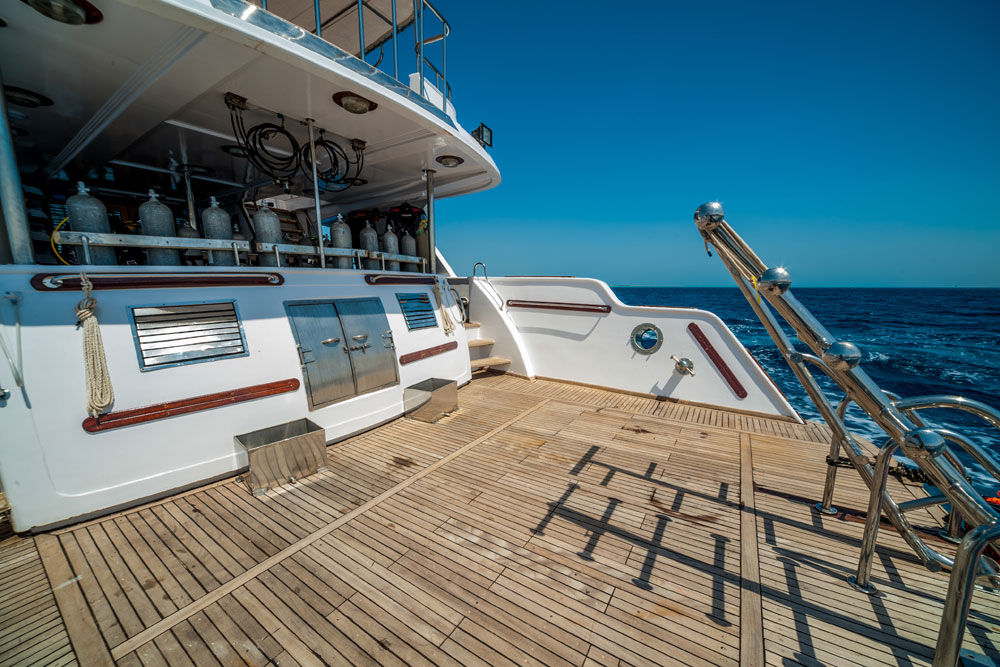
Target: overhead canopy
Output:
[{"x": 339, "y": 19}]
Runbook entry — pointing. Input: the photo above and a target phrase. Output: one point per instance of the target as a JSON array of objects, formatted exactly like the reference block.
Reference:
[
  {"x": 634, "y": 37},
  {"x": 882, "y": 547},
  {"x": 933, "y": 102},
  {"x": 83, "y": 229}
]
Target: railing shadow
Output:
[{"x": 902, "y": 648}]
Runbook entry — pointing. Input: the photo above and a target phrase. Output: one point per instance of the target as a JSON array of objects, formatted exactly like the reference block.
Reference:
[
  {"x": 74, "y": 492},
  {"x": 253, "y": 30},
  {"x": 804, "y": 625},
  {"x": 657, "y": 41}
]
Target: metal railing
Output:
[
  {"x": 87, "y": 240},
  {"x": 926, "y": 446},
  {"x": 420, "y": 41}
]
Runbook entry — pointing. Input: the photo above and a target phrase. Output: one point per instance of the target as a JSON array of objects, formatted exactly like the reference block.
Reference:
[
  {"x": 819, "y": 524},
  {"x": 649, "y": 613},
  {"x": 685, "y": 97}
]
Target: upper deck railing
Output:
[{"x": 325, "y": 13}]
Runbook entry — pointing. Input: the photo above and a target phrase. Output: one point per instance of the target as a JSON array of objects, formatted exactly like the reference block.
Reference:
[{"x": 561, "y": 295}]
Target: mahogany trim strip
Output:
[
  {"x": 723, "y": 368},
  {"x": 187, "y": 405},
  {"x": 50, "y": 282},
  {"x": 386, "y": 279},
  {"x": 559, "y": 305},
  {"x": 429, "y": 352}
]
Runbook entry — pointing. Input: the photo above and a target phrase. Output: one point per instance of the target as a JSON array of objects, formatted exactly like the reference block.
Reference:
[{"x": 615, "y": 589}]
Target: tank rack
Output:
[{"x": 88, "y": 240}]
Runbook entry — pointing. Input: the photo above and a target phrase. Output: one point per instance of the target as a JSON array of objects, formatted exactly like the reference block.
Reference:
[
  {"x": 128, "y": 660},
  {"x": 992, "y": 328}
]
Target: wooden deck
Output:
[{"x": 543, "y": 523}]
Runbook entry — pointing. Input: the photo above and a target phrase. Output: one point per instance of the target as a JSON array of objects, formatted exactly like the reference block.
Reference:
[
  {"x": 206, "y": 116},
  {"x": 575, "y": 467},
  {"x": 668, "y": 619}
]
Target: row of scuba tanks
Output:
[{"x": 88, "y": 214}]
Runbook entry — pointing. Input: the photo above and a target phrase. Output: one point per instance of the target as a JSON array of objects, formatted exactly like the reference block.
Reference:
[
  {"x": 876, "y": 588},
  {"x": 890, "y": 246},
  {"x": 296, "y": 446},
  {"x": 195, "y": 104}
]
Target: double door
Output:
[{"x": 345, "y": 348}]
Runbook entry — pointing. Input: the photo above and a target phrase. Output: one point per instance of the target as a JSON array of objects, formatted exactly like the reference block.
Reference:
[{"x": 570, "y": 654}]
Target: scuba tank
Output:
[
  {"x": 369, "y": 242},
  {"x": 216, "y": 224},
  {"x": 267, "y": 228},
  {"x": 186, "y": 231},
  {"x": 87, "y": 214},
  {"x": 340, "y": 236},
  {"x": 408, "y": 246},
  {"x": 390, "y": 245},
  {"x": 424, "y": 248},
  {"x": 157, "y": 220}
]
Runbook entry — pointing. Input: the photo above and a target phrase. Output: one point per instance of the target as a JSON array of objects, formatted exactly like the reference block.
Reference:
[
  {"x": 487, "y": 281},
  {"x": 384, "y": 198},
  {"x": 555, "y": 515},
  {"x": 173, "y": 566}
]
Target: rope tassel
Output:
[{"x": 100, "y": 394}]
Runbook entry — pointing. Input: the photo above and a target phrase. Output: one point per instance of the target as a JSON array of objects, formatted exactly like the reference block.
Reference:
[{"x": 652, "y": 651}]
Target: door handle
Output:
[
  {"x": 355, "y": 348},
  {"x": 330, "y": 341},
  {"x": 359, "y": 337}
]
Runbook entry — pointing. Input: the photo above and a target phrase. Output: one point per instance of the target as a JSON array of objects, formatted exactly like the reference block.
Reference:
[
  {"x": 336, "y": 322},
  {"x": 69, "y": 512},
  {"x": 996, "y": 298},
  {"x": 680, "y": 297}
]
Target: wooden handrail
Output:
[{"x": 187, "y": 405}]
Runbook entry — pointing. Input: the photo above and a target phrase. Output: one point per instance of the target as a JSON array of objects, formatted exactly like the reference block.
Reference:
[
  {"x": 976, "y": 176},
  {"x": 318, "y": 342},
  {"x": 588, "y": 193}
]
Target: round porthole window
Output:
[{"x": 646, "y": 338}]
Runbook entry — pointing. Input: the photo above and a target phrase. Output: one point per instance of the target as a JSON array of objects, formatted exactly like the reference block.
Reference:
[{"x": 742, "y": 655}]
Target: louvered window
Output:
[
  {"x": 174, "y": 334},
  {"x": 417, "y": 310}
]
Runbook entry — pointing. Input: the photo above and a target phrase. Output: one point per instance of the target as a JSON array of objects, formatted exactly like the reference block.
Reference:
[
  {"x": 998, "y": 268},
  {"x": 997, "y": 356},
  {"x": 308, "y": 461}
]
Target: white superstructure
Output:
[{"x": 245, "y": 334}]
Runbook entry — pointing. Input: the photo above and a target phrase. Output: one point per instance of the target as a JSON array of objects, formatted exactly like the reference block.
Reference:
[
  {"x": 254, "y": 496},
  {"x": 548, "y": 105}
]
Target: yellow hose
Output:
[{"x": 52, "y": 241}]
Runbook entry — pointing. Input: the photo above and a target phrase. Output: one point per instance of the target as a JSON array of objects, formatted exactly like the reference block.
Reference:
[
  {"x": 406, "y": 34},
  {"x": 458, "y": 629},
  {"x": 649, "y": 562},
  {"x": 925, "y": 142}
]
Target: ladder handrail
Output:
[{"x": 927, "y": 447}]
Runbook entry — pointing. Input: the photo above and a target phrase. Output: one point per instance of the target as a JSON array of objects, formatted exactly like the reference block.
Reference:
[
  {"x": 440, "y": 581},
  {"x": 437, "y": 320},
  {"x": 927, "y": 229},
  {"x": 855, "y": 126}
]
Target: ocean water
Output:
[{"x": 914, "y": 341}]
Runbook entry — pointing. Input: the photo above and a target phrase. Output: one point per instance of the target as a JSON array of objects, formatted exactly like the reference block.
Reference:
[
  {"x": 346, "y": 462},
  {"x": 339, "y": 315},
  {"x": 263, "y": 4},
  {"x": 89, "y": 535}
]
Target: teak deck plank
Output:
[{"x": 542, "y": 523}]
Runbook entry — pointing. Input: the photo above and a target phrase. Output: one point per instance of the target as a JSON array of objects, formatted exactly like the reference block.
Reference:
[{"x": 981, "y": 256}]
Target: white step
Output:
[{"x": 488, "y": 362}]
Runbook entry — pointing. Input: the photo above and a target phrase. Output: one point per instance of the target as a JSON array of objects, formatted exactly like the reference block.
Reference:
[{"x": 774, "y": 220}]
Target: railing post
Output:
[
  {"x": 319, "y": 22},
  {"x": 862, "y": 578},
  {"x": 11, "y": 194},
  {"x": 430, "y": 219},
  {"x": 961, "y": 586},
  {"x": 361, "y": 28},
  {"x": 420, "y": 45},
  {"x": 319, "y": 217},
  {"x": 444, "y": 67},
  {"x": 395, "y": 51}
]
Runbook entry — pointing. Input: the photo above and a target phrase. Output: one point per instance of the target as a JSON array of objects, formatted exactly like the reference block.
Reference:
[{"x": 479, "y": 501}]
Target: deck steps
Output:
[
  {"x": 488, "y": 362},
  {"x": 481, "y": 342},
  {"x": 471, "y": 325}
]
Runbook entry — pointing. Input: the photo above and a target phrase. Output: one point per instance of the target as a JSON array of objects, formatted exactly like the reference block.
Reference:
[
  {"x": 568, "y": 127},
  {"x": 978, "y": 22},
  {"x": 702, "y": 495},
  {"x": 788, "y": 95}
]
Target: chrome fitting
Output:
[
  {"x": 709, "y": 216},
  {"x": 683, "y": 366},
  {"x": 842, "y": 356},
  {"x": 924, "y": 440},
  {"x": 775, "y": 281}
]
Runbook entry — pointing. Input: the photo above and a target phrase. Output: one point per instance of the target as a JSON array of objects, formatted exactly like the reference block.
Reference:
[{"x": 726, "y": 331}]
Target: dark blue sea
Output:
[{"x": 915, "y": 342}]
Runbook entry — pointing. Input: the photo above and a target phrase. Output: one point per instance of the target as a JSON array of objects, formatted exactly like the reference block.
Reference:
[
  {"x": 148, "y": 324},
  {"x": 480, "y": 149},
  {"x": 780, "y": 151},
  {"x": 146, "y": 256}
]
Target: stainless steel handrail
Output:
[
  {"x": 927, "y": 447},
  {"x": 487, "y": 279},
  {"x": 744, "y": 266}
]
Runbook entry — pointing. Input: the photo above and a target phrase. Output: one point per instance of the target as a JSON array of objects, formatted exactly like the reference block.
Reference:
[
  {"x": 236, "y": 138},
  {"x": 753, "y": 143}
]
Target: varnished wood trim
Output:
[
  {"x": 720, "y": 363},
  {"x": 168, "y": 622},
  {"x": 84, "y": 636},
  {"x": 393, "y": 279},
  {"x": 429, "y": 352},
  {"x": 560, "y": 305},
  {"x": 187, "y": 405},
  {"x": 111, "y": 281},
  {"x": 751, "y": 612}
]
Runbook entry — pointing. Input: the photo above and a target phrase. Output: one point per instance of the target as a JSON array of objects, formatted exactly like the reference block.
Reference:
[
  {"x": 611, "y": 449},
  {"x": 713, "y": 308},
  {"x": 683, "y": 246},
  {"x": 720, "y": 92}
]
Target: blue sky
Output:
[{"x": 856, "y": 143}]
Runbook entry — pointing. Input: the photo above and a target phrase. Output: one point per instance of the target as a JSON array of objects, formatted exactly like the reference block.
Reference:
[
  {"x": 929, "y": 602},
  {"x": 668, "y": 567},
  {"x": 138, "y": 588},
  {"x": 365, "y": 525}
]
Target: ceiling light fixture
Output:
[
  {"x": 25, "y": 98},
  {"x": 353, "y": 102},
  {"x": 449, "y": 161},
  {"x": 70, "y": 12}
]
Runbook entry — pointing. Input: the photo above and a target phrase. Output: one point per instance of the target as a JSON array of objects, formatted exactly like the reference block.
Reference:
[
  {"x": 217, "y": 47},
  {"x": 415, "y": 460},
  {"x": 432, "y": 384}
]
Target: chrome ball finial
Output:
[
  {"x": 923, "y": 441},
  {"x": 842, "y": 356},
  {"x": 775, "y": 281},
  {"x": 709, "y": 215}
]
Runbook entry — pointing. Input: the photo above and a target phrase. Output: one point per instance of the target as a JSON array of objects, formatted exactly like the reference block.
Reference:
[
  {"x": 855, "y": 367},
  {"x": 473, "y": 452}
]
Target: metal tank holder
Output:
[{"x": 925, "y": 445}]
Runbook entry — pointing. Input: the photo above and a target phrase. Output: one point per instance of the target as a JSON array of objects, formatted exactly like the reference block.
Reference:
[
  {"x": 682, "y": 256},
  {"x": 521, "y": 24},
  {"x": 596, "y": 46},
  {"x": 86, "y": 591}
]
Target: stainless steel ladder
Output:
[{"x": 925, "y": 445}]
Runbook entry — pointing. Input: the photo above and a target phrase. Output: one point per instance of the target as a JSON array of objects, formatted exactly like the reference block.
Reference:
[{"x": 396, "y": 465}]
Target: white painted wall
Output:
[
  {"x": 52, "y": 470},
  {"x": 595, "y": 348}
]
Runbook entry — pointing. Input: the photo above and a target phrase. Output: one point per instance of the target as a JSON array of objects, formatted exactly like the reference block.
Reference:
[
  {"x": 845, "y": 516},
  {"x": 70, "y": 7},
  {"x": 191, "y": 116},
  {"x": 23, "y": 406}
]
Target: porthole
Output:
[{"x": 646, "y": 338}]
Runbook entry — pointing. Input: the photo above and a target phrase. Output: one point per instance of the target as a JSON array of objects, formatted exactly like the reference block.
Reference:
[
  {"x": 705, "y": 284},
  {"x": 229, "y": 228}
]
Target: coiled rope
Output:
[
  {"x": 446, "y": 320},
  {"x": 100, "y": 394}
]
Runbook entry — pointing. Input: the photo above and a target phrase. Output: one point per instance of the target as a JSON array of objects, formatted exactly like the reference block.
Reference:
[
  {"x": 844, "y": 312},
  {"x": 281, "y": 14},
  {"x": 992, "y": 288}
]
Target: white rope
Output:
[
  {"x": 446, "y": 321},
  {"x": 100, "y": 394}
]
